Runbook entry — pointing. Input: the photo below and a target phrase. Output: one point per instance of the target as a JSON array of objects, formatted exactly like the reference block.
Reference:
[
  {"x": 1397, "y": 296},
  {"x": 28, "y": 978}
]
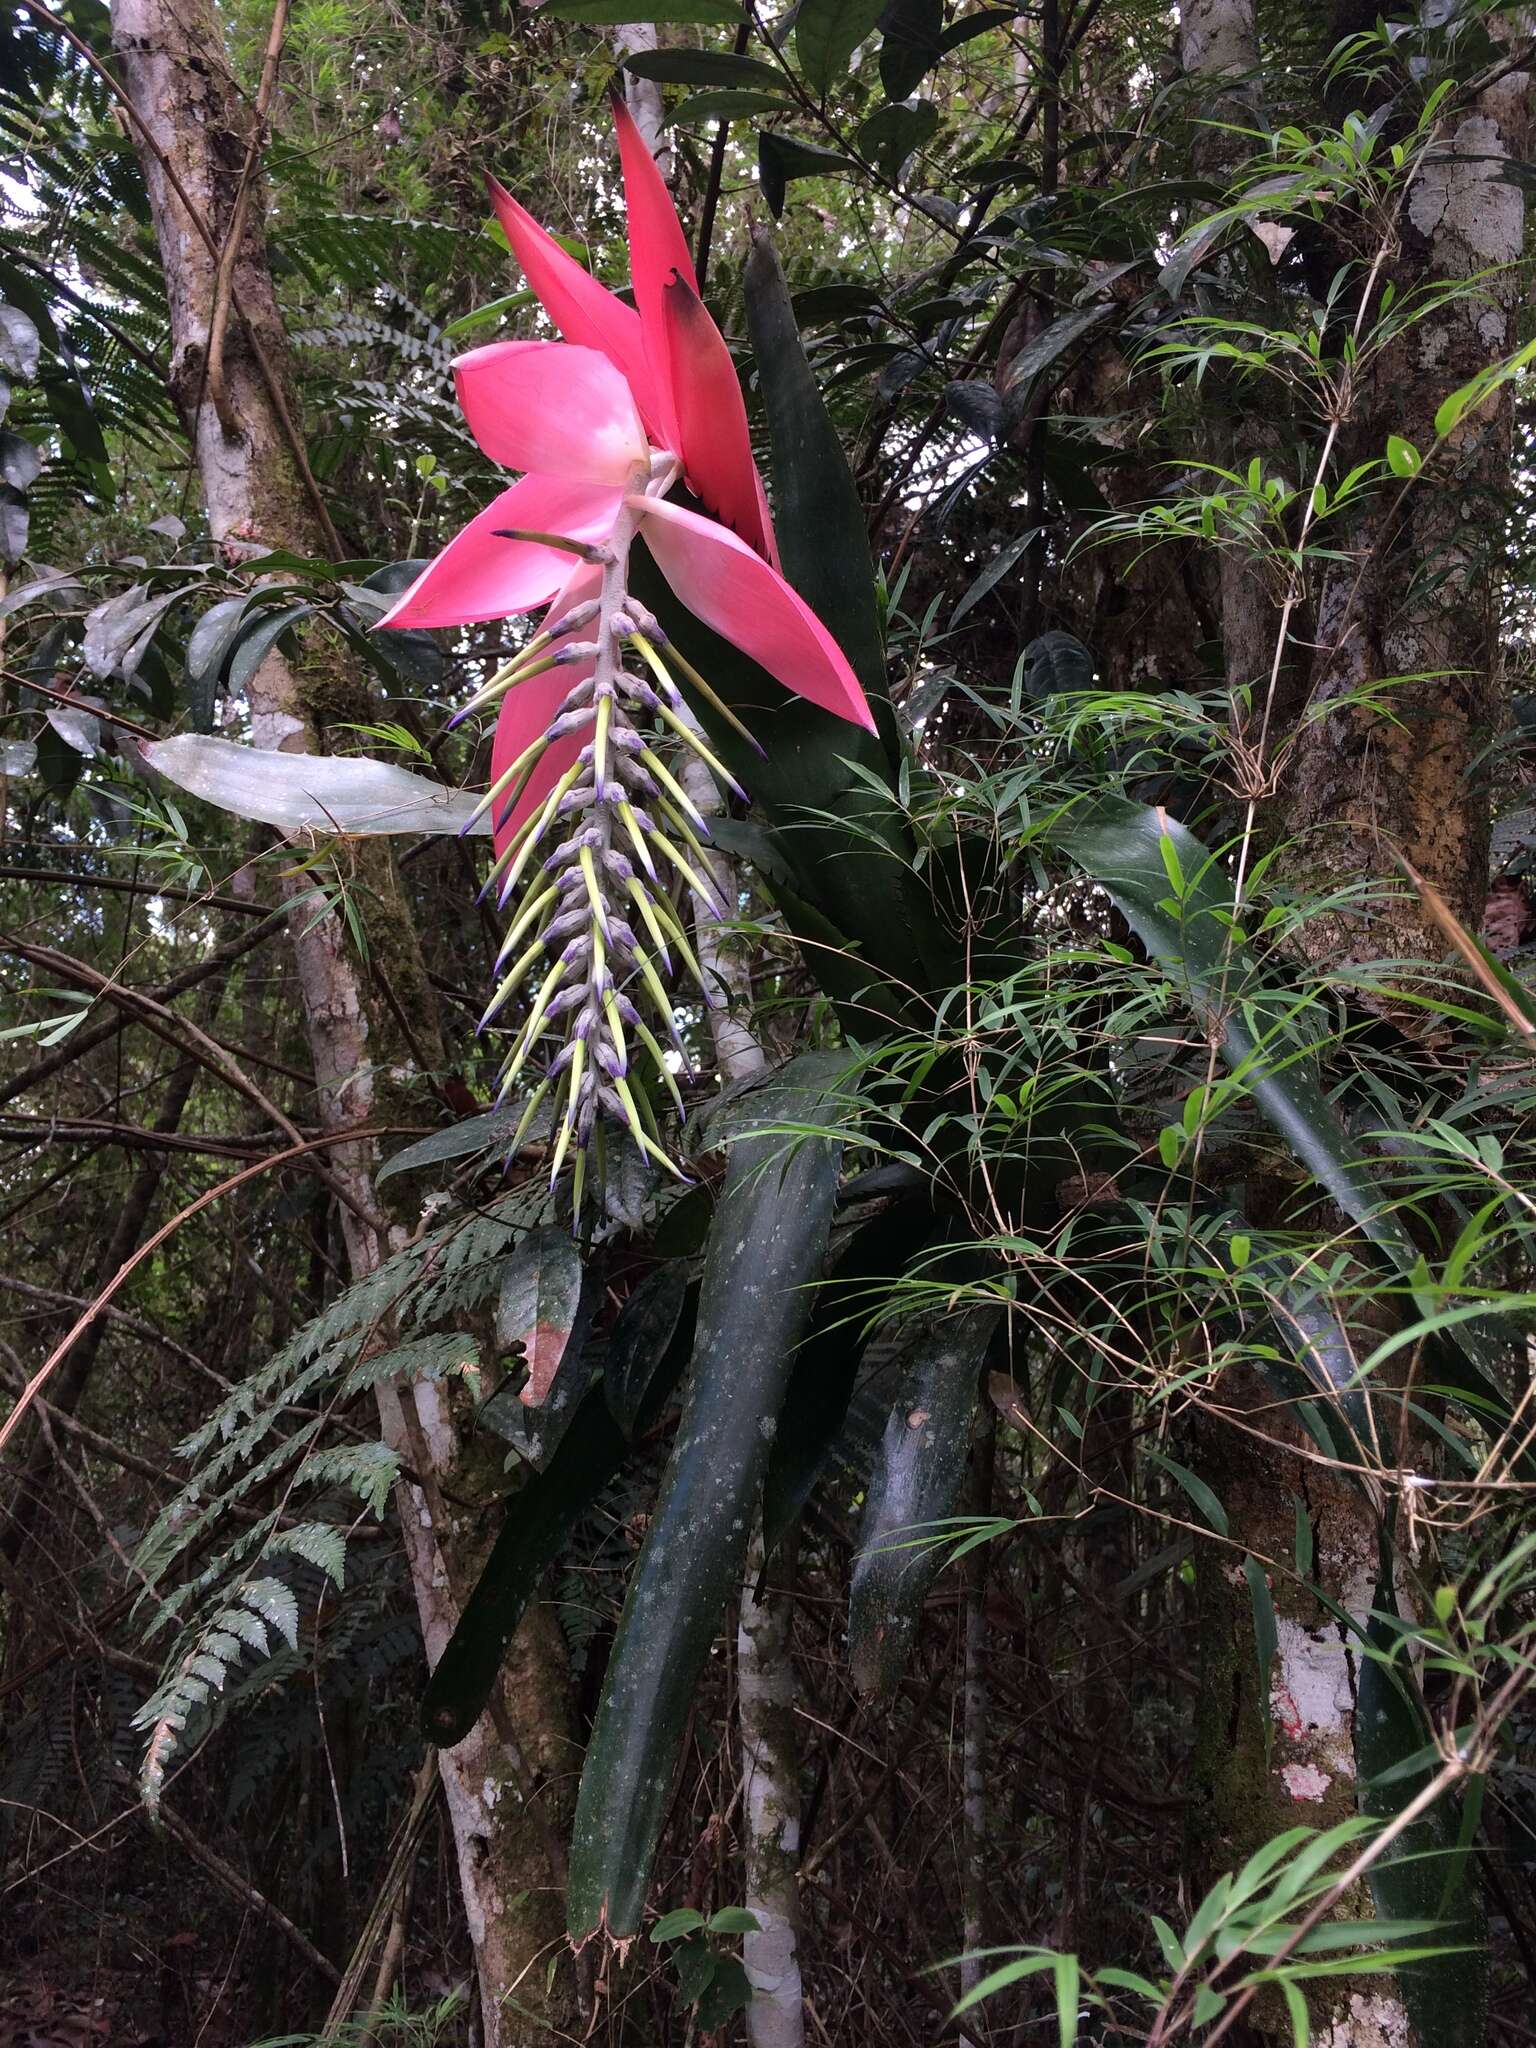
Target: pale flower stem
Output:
[{"x": 770, "y": 1804}]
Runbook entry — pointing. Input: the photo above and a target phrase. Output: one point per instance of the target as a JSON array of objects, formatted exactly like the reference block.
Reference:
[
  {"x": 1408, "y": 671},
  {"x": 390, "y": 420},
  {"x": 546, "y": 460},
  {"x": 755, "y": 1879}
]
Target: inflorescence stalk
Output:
[{"x": 614, "y": 845}]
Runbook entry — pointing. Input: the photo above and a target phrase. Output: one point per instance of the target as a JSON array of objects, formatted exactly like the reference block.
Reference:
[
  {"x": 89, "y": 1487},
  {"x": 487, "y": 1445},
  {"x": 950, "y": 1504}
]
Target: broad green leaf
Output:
[
  {"x": 893, "y": 133},
  {"x": 782, "y": 158},
  {"x": 257, "y": 639},
  {"x": 694, "y": 1961},
  {"x": 729, "y": 1991},
  {"x": 911, "y": 44},
  {"x": 734, "y": 1920},
  {"x": 20, "y": 461},
  {"x": 916, "y": 1481},
  {"x": 610, "y": 13},
  {"x": 19, "y": 344},
  {"x": 827, "y": 32},
  {"x": 461, "y": 1141},
  {"x": 1403, "y": 459},
  {"x": 682, "y": 1920},
  {"x": 207, "y": 651},
  {"x": 728, "y": 106},
  {"x": 1057, "y": 663},
  {"x": 766, "y": 1248},
  {"x": 704, "y": 67}
]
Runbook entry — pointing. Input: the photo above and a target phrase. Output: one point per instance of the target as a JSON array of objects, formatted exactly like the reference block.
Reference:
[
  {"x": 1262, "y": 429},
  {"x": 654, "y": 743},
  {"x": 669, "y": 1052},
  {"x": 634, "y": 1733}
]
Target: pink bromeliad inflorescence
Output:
[{"x": 588, "y": 820}]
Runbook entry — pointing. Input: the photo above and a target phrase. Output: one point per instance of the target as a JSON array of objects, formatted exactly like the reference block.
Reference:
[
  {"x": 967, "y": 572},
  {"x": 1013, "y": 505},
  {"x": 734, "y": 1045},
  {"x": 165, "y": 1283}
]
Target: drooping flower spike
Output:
[{"x": 587, "y": 817}]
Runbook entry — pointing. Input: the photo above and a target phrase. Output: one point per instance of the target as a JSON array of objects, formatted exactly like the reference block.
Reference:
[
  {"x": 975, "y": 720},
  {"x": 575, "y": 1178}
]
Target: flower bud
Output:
[
  {"x": 571, "y": 721},
  {"x": 573, "y": 620}
]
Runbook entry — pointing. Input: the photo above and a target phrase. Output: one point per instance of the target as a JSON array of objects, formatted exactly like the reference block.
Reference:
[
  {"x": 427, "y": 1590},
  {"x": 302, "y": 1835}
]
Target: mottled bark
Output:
[
  {"x": 193, "y": 136},
  {"x": 770, "y": 1804},
  {"x": 1250, "y": 1785},
  {"x": 1411, "y": 612},
  {"x": 1248, "y": 1788}
]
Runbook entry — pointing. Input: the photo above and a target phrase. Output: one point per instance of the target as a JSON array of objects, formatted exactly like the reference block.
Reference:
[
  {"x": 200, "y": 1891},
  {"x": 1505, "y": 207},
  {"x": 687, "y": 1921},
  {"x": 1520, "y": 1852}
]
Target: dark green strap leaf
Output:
[
  {"x": 827, "y": 1363},
  {"x": 765, "y": 1249},
  {"x": 915, "y": 1486},
  {"x": 822, "y": 532},
  {"x": 641, "y": 1342}
]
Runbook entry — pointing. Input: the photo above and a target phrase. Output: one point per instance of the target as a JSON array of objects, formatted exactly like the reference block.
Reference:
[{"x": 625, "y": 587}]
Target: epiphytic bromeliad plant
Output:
[{"x": 634, "y": 402}]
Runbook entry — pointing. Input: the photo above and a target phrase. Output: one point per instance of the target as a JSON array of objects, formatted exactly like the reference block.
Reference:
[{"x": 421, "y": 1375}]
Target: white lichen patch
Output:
[
  {"x": 1373, "y": 2021},
  {"x": 1305, "y": 1781}
]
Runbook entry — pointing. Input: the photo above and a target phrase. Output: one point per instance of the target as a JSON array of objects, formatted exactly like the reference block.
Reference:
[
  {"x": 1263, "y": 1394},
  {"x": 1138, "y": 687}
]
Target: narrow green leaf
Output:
[
  {"x": 1430, "y": 1873},
  {"x": 1266, "y": 1634},
  {"x": 1120, "y": 845},
  {"x": 1068, "y": 1992},
  {"x": 1206, "y": 1502},
  {"x": 1296, "y": 2007}
]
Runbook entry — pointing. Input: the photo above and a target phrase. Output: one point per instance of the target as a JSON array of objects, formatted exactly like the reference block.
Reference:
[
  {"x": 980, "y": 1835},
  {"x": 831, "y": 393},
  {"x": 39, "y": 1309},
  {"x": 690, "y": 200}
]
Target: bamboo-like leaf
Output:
[{"x": 1430, "y": 1873}]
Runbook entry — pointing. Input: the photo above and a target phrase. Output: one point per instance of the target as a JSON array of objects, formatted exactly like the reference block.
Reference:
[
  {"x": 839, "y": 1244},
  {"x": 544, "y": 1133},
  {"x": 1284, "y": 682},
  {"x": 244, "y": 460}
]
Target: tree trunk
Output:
[
  {"x": 770, "y": 1804},
  {"x": 1415, "y": 596},
  {"x": 1265, "y": 1764},
  {"x": 193, "y": 132},
  {"x": 1250, "y": 1782}
]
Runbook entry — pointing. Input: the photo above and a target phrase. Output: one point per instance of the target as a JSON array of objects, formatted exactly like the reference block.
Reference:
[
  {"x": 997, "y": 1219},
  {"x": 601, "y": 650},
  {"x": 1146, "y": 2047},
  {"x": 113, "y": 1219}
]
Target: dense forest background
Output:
[{"x": 1024, "y": 1536}]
